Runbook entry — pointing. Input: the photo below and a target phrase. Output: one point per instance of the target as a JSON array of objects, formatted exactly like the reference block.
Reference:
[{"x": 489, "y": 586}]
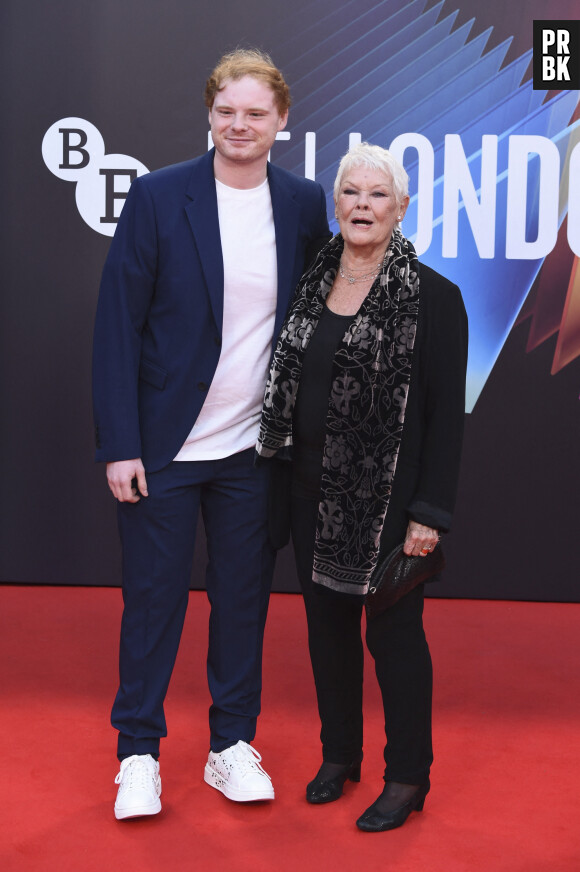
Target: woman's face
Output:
[{"x": 367, "y": 209}]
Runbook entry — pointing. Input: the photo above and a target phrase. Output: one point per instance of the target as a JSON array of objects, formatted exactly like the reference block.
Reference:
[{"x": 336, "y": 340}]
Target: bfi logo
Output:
[
  {"x": 556, "y": 54},
  {"x": 74, "y": 150}
]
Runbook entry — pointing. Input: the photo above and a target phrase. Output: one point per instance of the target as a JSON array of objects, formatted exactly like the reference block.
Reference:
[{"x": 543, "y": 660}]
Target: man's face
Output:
[{"x": 244, "y": 120}]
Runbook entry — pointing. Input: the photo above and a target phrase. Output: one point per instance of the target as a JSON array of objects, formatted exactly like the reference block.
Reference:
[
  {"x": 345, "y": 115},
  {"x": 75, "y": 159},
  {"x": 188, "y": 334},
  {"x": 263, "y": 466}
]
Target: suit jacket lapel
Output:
[
  {"x": 286, "y": 216},
  {"x": 202, "y": 214}
]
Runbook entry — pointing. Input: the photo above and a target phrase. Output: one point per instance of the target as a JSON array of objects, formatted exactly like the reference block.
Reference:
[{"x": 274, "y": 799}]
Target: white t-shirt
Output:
[{"x": 230, "y": 416}]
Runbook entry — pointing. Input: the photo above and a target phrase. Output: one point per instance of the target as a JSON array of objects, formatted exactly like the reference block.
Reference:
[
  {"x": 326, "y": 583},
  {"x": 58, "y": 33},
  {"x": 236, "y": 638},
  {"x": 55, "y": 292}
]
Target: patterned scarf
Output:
[{"x": 366, "y": 410}]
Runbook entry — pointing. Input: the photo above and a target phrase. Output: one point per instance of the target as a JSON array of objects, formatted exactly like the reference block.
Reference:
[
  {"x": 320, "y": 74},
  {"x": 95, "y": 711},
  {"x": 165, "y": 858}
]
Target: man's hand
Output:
[
  {"x": 420, "y": 540},
  {"x": 121, "y": 476}
]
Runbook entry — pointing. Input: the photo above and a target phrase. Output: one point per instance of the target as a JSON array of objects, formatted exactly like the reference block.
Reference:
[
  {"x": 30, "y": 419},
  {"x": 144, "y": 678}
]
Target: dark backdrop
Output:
[{"x": 135, "y": 69}]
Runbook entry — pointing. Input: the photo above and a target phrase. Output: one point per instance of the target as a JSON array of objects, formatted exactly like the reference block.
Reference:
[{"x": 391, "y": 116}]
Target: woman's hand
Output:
[{"x": 420, "y": 540}]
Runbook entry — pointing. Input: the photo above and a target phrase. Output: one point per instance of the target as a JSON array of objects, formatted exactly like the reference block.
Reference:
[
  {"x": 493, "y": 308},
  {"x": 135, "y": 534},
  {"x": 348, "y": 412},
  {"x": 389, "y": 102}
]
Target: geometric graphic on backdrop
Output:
[
  {"x": 74, "y": 150},
  {"x": 554, "y": 307},
  {"x": 405, "y": 78}
]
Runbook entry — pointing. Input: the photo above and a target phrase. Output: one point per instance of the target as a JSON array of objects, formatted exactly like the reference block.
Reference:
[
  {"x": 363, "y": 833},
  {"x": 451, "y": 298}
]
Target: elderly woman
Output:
[{"x": 366, "y": 397}]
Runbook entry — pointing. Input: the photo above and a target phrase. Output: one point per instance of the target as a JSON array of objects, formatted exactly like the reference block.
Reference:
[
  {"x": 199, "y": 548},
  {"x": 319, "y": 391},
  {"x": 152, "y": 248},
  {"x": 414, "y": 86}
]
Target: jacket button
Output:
[
  {"x": 202, "y": 386},
  {"x": 217, "y": 341}
]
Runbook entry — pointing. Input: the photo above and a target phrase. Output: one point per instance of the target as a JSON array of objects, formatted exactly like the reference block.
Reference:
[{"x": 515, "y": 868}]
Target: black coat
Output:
[{"x": 426, "y": 477}]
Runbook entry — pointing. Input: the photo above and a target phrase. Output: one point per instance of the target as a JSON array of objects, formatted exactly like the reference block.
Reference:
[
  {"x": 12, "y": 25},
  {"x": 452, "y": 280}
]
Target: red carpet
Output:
[{"x": 507, "y": 743}]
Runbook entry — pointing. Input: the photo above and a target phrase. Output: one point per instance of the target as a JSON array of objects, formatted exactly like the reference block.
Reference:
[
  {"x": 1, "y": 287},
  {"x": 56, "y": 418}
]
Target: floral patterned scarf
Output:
[{"x": 366, "y": 409}]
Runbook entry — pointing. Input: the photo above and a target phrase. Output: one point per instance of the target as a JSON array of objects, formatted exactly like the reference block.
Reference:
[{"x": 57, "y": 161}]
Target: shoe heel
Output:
[
  {"x": 354, "y": 774},
  {"x": 425, "y": 791}
]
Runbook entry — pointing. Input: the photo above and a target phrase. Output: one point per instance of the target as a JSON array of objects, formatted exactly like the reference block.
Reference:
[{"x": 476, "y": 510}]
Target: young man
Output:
[{"x": 197, "y": 281}]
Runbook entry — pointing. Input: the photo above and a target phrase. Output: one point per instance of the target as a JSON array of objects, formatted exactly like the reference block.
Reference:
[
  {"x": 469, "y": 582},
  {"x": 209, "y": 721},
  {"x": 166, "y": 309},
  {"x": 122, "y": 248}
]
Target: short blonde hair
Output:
[
  {"x": 248, "y": 62},
  {"x": 375, "y": 158}
]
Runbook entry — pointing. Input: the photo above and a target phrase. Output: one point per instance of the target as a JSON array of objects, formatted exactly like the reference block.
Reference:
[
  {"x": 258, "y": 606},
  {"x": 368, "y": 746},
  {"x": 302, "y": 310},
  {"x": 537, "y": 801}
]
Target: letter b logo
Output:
[{"x": 74, "y": 150}]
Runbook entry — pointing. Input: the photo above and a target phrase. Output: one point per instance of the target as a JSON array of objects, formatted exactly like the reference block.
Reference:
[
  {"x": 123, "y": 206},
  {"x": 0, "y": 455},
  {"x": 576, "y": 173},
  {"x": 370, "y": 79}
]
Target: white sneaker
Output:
[
  {"x": 238, "y": 774},
  {"x": 139, "y": 787}
]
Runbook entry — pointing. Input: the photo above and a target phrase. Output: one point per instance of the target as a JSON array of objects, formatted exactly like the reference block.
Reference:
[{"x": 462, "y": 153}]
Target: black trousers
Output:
[{"x": 395, "y": 639}]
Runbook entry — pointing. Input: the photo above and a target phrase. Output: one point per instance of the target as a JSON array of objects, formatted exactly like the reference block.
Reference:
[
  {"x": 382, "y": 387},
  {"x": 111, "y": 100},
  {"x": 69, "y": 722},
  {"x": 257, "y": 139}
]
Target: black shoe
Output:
[
  {"x": 329, "y": 781},
  {"x": 375, "y": 821}
]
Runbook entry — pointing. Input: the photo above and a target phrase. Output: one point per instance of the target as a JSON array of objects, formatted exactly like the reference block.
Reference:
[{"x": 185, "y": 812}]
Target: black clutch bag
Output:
[{"x": 397, "y": 574}]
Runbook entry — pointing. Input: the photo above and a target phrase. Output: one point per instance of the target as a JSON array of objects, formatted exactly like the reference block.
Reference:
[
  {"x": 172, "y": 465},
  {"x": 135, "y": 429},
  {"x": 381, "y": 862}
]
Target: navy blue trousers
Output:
[{"x": 157, "y": 537}]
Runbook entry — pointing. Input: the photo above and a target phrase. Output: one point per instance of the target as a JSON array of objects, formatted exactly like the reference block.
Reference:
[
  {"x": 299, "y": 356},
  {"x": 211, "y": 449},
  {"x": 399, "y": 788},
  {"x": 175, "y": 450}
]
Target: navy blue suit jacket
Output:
[{"x": 159, "y": 317}]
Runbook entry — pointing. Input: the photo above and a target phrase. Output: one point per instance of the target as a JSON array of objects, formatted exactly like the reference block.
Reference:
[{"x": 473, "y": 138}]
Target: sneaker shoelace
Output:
[
  {"x": 136, "y": 774},
  {"x": 248, "y": 759}
]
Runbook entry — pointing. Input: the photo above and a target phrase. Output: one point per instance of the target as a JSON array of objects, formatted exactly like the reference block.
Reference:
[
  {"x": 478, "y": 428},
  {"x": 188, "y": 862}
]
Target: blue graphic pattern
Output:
[{"x": 386, "y": 68}]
